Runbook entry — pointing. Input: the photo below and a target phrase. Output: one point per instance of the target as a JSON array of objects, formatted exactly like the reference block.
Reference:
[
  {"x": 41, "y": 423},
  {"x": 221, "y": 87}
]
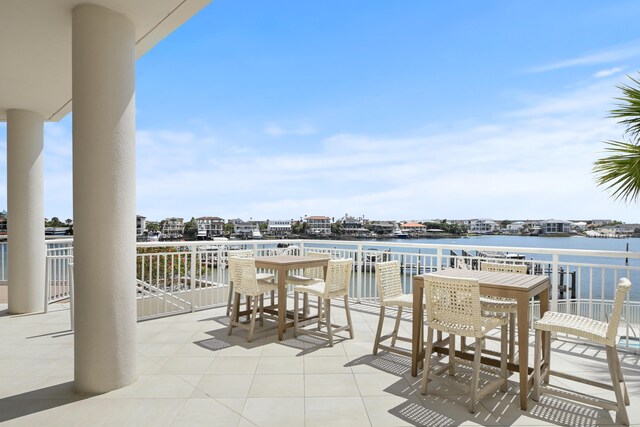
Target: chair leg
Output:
[
  {"x": 295, "y": 314},
  {"x": 229, "y": 298},
  {"x": 537, "y": 365},
  {"x": 348, "y": 313},
  {"x": 327, "y": 319},
  {"x": 616, "y": 359},
  {"x": 320, "y": 309},
  {"x": 427, "y": 358},
  {"x": 376, "y": 342},
  {"x": 254, "y": 311},
  {"x": 452, "y": 354},
  {"x": 396, "y": 327},
  {"x": 234, "y": 313},
  {"x": 261, "y": 309},
  {"x": 504, "y": 374},
  {"x": 475, "y": 376},
  {"x": 305, "y": 305},
  {"x": 615, "y": 381},
  {"x": 512, "y": 337}
]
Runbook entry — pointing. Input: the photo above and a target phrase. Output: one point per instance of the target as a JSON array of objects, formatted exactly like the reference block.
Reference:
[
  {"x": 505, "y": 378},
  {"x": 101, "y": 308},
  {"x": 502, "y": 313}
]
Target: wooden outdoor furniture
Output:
[
  {"x": 282, "y": 264},
  {"x": 596, "y": 332},
  {"x": 310, "y": 276},
  {"x": 389, "y": 284},
  {"x": 244, "y": 253},
  {"x": 335, "y": 285},
  {"x": 520, "y": 287},
  {"x": 248, "y": 284},
  {"x": 453, "y": 307}
]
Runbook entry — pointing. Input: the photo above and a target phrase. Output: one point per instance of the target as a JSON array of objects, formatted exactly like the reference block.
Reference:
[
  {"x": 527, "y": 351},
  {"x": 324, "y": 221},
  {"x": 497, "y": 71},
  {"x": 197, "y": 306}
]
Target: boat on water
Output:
[
  {"x": 399, "y": 234},
  {"x": 255, "y": 234}
]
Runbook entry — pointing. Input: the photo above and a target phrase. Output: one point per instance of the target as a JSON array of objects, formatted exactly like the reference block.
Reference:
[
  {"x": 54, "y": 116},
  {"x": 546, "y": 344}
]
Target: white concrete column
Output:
[
  {"x": 25, "y": 207},
  {"x": 103, "y": 64}
]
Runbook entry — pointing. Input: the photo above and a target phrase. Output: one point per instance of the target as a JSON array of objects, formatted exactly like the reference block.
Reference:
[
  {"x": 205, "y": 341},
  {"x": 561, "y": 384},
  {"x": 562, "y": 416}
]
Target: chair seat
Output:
[
  {"x": 318, "y": 288},
  {"x": 403, "y": 300},
  {"x": 498, "y": 304},
  {"x": 572, "y": 324},
  {"x": 264, "y": 276},
  {"x": 487, "y": 323},
  {"x": 301, "y": 280},
  {"x": 264, "y": 286}
]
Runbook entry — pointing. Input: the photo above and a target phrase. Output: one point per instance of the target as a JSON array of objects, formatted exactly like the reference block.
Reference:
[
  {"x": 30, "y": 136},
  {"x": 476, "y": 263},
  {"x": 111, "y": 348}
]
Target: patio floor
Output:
[{"x": 192, "y": 373}]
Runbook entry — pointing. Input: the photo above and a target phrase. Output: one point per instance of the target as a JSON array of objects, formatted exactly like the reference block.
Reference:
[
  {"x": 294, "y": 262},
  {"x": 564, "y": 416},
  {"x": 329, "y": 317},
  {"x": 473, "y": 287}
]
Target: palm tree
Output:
[{"x": 620, "y": 170}]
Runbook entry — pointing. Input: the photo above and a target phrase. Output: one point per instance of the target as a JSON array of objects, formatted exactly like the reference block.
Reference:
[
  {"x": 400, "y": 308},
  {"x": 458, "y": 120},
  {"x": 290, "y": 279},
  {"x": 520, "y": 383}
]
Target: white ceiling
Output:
[{"x": 35, "y": 46}]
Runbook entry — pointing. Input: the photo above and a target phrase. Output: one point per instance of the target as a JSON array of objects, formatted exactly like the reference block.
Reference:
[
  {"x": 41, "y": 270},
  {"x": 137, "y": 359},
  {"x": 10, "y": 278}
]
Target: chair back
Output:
[
  {"x": 244, "y": 253},
  {"x": 621, "y": 293},
  {"x": 316, "y": 272},
  {"x": 503, "y": 268},
  {"x": 338, "y": 277},
  {"x": 453, "y": 305},
  {"x": 388, "y": 280},
  {"x": 243, "y": 270}
]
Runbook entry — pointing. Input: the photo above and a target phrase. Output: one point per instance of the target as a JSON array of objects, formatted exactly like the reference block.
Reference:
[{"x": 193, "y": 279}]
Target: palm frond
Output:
[
  {"x": 620, "y": 170},
  {"x": 628, "y": 110}
]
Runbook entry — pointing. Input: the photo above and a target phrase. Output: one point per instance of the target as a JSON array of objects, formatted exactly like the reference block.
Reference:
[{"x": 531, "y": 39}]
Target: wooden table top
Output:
[
  {"x": 290, "y": 260},
  {"x": 489, "y": 279}
]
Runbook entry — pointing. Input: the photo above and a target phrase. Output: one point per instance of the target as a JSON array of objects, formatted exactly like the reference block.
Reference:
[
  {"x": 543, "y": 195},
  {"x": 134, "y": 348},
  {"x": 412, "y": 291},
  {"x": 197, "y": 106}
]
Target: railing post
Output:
[
  {"x": 438, "y": 259},
  {"x": 359, "y": 278},
  {"x": 554, "y": 282},
  {"x": 193, "y": 277},
  {"x": 47, "y": 280}
]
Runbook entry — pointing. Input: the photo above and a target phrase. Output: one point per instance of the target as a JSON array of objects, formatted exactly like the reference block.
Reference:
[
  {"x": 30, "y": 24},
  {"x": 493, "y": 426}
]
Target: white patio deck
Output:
[{"x": 192, "y": 373}]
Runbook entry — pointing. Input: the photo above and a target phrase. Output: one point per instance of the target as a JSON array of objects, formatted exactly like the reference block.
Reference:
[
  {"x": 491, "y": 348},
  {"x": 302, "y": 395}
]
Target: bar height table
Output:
[{"x": 521, "y": 287}]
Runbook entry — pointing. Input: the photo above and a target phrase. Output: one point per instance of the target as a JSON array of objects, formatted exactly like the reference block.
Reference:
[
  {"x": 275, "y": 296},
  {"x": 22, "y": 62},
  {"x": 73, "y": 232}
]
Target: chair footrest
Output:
[
  {"x": 579, "y": 397},
  {"x": 581, "y": 380},
  {"x": 393, "y": 349}
]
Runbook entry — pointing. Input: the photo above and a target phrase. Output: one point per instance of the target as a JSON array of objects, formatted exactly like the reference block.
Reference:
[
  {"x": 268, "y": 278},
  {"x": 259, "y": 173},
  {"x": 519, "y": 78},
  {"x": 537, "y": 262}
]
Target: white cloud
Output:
[
  {"x": 613, "y": 54},
  {"x": 608, "y": 72},
  {"x": 275, "y": 130}
]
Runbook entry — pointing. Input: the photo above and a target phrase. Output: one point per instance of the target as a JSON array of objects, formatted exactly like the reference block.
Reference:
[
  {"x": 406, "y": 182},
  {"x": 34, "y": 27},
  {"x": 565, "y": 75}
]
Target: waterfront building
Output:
[
  {"x": 354, "y": 227},
  {"x": 279, "y": 227},
  {"x": 173, "y": 227},
  {"x": 242, "y": 228},
  {"x": 320, "y": 225},
  {"x": 209, "y": 226},
  {"x": 141, "y": 224},
  {"x": 383, "y": 227},
  {"x": 515, "y": 227},
  {"x": 413, "y": 229},
  {"x": 482, "y": 226},
  {"x": 556, "y": 226}
]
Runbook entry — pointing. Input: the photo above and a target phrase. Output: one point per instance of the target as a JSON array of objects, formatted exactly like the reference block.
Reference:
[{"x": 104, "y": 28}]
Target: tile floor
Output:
[{"x": 192, "y": 373}]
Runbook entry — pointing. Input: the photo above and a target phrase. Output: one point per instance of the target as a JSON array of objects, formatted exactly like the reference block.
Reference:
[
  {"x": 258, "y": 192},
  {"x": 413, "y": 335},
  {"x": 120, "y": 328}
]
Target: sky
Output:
[{"x": 404, "y": 110}]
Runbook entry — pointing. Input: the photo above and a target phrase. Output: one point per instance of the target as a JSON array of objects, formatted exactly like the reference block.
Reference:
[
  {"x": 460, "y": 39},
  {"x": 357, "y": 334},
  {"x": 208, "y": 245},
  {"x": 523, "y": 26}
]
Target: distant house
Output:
[
  {"x": 556, "y": 226},
  {"x": 352, "y": 226},
  {"x": 383, "y": 227},
  {"x": 210, "y": 226},
  {"x": 141, "y": 224},
  {"x": 173, "y": 227},
  {"x": 619, "y": 229},
  {"x": 482, "y": 226},
  {"x": 280, "y": 228},
  {"x": 413, "y": 228},
  {"x": 320, "y": 225},
  {"x": 515, "y": 227},
  {"x": 241, "y": 227}
]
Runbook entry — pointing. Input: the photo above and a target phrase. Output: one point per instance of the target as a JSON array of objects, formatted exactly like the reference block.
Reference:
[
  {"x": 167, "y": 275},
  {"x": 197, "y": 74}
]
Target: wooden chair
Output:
[
  {"x": 453, "y": 307},
  {"x": 248, "y": 284},
  {"x": 310, "y": 276},
  {"x": 507, "y": 306},
  {"x": 596, "y": 332},
  {"x": 335, "y": 285},
  {"x": 389, "y": 284},
  {"x": 248, "y": 253}
]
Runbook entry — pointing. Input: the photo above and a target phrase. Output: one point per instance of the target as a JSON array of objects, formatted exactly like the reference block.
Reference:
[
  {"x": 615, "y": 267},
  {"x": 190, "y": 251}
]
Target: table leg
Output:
[
  {"x": 523, "y": 348},
  {"x": 416, "y": 328},
  {"x": 282, "y": 302},
  {"x": 544, "y": 306}
]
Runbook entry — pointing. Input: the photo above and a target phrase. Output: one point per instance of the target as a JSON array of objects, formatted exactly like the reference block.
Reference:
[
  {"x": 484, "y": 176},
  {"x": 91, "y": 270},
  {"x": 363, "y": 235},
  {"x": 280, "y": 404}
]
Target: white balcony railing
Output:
[{"x": 176, "y": 277}]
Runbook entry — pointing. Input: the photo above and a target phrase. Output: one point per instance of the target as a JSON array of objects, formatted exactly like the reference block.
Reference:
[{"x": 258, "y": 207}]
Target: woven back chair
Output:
[
  {"x": 310, "y": 276},
  {"x": 239, "y": 253},
  {"x": 335, "y": 285},
  {"x": 595, "y": 331},
  {"x": 249, "y": 285},
  {"x": 389, "y": 284},
  {"x": 453, "y": 306},
  {"x": 509, "y": 306}
]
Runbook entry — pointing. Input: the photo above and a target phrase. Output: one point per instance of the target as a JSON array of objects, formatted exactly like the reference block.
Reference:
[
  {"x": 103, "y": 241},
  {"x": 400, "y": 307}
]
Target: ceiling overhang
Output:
[{"x": 35, "y": 46}]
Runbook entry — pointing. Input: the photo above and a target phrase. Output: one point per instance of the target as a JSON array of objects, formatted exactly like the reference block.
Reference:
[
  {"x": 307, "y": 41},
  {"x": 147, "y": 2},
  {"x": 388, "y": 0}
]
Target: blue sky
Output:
[{"x": 391, "y": 110}]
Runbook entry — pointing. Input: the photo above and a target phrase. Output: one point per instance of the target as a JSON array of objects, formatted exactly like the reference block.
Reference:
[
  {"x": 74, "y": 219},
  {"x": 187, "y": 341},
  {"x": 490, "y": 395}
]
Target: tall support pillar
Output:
[
  {"x": 25, "y": 206},
  {"x": 103, "y": 65}
]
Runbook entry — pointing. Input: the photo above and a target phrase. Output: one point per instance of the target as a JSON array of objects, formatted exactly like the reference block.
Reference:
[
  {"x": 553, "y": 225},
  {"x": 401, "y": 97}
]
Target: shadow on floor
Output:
[{"x": 21, "y": 405}]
